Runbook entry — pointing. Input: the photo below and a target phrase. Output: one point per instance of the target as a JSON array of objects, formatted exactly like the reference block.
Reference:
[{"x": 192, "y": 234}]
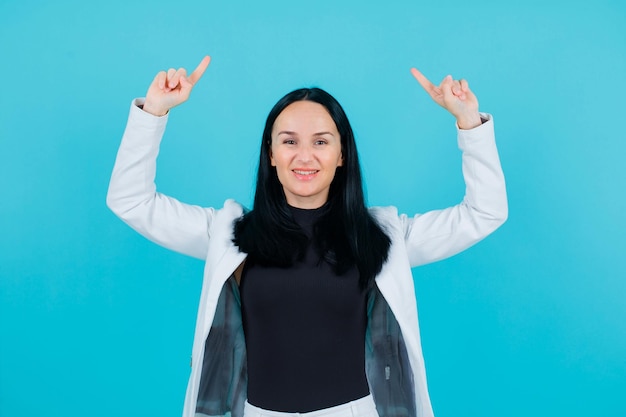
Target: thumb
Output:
[
  {"x": 447, "y": 82},
  {"x": 185, "y": 86},
  {"x": 446, "y": 87},
  {"x": 185, "y": 83}
]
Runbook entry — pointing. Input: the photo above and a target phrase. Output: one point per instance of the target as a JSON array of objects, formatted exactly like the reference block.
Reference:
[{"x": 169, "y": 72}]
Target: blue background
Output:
[{"x": 95, "y": 320}]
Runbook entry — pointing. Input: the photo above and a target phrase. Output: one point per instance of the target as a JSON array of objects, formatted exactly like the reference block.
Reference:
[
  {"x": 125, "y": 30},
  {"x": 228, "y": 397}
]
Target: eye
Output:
[
  {"x": 289, "y": 141},
  {"x": 321, "y": 142}
]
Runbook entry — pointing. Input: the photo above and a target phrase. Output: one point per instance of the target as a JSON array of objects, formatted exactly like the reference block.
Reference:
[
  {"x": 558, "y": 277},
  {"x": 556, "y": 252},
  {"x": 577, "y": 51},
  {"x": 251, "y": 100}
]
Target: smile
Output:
[{"x": 301, "y": 172}]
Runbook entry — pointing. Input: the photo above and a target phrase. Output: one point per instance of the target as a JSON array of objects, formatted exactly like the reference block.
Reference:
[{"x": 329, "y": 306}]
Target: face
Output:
[{"x": 306, "y": 151}]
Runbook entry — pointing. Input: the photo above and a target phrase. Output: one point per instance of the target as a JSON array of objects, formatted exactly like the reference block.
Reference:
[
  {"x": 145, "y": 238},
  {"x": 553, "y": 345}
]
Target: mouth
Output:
[{"x": 305, "y": 174}]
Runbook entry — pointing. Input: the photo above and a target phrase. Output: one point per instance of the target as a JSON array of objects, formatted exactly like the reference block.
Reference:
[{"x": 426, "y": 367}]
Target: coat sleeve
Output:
[
  {"x": 132, "y": 194},
  {"x": 439, "y": 234}
]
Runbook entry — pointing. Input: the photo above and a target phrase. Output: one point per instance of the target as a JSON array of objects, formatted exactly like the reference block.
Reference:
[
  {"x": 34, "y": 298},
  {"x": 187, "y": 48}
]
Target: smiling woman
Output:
[
  {"x": 308, "y": 160},
  {"x": 306, "y": 151},
  {"x": 308, "y": 303}
]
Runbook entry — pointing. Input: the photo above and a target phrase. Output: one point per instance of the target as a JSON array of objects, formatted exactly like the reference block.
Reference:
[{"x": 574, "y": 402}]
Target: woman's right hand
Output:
[{"x": 171, "y": 88}]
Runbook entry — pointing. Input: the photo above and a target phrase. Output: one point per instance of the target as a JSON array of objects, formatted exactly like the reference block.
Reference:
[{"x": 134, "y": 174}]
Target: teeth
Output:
[{"x": 304, "y": 172}]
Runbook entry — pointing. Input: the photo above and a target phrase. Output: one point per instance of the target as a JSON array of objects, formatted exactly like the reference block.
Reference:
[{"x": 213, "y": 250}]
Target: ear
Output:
[
  {"x": 340, "y": 163},
  {"x": 272, "y": 162}
]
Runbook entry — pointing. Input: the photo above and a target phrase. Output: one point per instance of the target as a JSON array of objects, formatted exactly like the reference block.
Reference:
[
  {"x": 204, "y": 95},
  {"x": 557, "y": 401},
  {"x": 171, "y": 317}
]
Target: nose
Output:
[{"x": 305, "y": 154}]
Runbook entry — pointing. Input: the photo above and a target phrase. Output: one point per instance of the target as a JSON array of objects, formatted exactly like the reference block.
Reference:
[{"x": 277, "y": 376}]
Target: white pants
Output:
[{"x": 363, "y": 407}]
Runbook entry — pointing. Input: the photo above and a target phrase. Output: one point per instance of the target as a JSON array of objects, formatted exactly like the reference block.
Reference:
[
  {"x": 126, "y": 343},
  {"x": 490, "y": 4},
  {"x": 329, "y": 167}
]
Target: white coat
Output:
[{"x": 394, "y": 360}]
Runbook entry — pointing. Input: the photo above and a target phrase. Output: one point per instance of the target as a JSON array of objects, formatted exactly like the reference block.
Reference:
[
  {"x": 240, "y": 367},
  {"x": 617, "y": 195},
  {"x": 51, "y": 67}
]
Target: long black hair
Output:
[{"x": 345, "y": 236}]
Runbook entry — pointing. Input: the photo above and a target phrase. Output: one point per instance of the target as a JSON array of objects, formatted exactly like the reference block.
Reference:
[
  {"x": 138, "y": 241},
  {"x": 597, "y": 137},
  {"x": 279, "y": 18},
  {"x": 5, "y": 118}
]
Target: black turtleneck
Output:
[{"x": 305, "y": 332}]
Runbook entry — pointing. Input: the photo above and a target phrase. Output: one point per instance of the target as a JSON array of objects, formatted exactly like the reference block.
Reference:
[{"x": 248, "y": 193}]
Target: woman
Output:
[{"x": 307, "y": 303}]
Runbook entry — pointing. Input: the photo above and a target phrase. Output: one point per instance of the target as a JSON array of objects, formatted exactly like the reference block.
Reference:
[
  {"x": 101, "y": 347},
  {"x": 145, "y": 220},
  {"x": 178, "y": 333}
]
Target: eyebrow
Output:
[{"x": 289, "y": 132}]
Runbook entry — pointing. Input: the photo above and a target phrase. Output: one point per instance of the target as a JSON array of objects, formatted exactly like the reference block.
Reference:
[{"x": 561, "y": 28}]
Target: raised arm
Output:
[
  {"x": 132, "y": 194},
  {"x": 439, "y": 234}
]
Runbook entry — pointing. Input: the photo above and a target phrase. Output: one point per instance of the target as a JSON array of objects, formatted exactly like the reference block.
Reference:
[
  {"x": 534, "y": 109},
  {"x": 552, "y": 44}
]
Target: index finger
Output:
[
  {"x": 424, "y": 82},
  {"x": 197, "y": 73}
]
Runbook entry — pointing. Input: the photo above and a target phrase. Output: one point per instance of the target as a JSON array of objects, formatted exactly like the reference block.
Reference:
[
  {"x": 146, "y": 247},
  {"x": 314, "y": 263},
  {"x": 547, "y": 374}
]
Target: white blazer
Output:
[{"x": 217, "y": 384}]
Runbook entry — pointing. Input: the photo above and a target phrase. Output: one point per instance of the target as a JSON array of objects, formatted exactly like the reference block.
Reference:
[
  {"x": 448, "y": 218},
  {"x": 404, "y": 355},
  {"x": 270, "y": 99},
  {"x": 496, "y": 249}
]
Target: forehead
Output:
[{"x": 304, "y": 117}]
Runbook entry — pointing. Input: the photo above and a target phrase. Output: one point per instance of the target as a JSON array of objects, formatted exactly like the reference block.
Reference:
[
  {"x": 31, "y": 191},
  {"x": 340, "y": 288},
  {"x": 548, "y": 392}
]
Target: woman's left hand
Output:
[{"x": 454, "y": 96}]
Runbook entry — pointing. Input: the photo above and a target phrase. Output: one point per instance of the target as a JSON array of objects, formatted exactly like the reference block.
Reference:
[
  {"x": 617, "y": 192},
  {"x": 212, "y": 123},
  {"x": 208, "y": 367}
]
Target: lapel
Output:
[{"x": 223, "y": 258}]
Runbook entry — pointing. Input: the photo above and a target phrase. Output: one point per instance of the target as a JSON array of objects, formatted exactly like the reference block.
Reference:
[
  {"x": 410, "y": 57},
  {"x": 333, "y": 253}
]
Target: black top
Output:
[{"x": 305, "y": 332}]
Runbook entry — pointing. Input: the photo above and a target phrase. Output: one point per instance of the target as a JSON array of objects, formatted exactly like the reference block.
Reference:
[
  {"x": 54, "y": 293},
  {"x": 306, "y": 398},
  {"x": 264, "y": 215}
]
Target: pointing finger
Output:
[
  {"x": 430, "y": 88},
  {"x": 199, "y": 71}
]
